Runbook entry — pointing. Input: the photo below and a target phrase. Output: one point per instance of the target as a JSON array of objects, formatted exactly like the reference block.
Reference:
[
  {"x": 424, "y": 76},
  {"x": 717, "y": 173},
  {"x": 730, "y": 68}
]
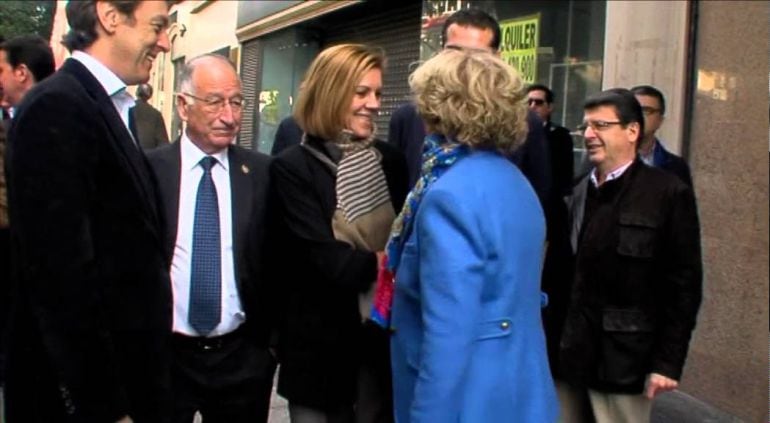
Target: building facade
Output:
[{"x": 196, "y": 27}]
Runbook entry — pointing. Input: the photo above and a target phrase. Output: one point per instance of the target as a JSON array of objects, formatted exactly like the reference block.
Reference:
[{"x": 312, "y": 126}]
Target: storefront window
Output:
[
  {"x": 287, "y": 54},
  {"x": 558, "y": 43}
]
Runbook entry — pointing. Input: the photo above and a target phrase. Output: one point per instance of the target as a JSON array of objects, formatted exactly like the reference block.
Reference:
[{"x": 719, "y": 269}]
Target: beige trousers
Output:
[{"x": 579, "y": 405}]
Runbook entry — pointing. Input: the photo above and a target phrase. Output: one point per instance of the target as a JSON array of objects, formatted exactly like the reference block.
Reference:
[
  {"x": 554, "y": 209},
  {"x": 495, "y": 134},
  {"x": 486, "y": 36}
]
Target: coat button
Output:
[{"x": 504, "y": 325}]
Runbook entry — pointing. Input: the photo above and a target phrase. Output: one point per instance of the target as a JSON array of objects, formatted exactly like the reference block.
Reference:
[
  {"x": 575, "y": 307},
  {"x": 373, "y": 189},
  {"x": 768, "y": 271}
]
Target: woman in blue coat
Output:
[{"x": 467, "y": 251}]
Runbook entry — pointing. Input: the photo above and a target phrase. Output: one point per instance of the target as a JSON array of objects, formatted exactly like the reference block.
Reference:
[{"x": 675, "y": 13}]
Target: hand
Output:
[
  {"x": 125, "y": 420},
  {"x": 380, "y": 256},
  {"x": 657, "y": 383}
]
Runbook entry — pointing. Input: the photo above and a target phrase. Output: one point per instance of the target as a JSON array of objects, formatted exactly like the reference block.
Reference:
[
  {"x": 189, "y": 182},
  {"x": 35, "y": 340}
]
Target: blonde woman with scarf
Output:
[
  {"x": 335, "y": 197},
  {"x": 468, "y": 343}
]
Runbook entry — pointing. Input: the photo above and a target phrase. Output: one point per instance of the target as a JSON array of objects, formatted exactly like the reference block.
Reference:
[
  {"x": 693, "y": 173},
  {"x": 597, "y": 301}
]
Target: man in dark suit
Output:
[
  {"x": 473, "y": 29},
  {"x": 24, "y": 61},
  {"x": 540, "y": 99},
  {"x": 150, "y": 126},
  {"x": 91, "y": 297},
  {"x": 214, "y": 195},
  {"x": 557, "y": 267},
  {"x": 651, "y": 150}
]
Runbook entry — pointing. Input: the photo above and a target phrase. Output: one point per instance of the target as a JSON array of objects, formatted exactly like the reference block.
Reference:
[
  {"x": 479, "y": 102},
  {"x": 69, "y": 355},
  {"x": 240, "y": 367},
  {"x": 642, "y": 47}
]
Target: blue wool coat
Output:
[{"x": 468, "y": 342}]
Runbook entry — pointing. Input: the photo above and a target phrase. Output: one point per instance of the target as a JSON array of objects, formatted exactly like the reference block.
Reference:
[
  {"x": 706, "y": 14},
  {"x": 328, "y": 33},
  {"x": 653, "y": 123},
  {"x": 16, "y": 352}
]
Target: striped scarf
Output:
[
  {"x": 364, "y": 212},
  {"x": 361, "y": 184}
]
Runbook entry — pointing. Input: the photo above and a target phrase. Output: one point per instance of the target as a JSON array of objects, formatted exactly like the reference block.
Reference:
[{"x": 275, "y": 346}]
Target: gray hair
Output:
[{"x": 186, "y": 75}]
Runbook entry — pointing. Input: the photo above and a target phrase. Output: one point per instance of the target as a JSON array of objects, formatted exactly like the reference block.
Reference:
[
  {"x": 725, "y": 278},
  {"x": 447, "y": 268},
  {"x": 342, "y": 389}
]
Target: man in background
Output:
[
  {"x": 651, "y": 150},
  {"x": 24, "y": 61},
  {"x": 5, "y": 261},
  {"x": 472, "y": 29},
  {"x": 150, "y": 127},
  {"x": 540, "y": 99},
  {"x": 557, "y": 266}
]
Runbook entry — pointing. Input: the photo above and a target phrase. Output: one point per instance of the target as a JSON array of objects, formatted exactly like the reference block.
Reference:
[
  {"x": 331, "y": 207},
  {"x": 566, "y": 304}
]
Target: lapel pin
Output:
[{"x": 244, "y": 169}]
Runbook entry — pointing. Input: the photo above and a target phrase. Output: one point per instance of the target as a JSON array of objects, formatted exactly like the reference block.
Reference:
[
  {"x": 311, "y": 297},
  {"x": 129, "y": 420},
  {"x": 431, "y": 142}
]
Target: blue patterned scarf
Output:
[{"x": 439, "y": 154}]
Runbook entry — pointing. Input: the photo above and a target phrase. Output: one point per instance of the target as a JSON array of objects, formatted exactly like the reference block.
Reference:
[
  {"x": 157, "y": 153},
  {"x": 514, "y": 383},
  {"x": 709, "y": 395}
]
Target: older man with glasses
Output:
[
  {"x": 638, "y": 272},
  {"x": 215, "y": 196}
]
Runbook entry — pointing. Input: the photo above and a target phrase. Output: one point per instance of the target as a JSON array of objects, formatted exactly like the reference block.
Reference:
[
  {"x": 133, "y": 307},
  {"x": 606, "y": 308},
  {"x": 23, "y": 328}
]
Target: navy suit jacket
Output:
[
  {"x": 287, "y": 134},
  {"x": 665, "y": 160}
]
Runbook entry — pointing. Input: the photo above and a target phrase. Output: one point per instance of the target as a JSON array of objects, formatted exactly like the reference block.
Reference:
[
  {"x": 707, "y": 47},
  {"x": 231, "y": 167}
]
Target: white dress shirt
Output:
[
  {"x": 615, "y": 174},
  {"x": 114, "y": 87},
  {"x": 191, "y": 172}
]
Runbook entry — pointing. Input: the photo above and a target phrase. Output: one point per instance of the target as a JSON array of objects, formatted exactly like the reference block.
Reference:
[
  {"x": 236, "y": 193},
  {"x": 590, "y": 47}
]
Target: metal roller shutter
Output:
[{"x": 251, "y": 77}]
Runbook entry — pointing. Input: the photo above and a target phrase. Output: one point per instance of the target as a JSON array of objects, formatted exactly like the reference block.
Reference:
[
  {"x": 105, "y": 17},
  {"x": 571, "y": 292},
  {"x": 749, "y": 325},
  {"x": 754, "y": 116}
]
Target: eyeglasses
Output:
[
  {"x": 535, "y": 101},
  {"x": 217, "y": 104},
  {"x": 597, "y": 125},
  {"x": 647, "y": 110}
]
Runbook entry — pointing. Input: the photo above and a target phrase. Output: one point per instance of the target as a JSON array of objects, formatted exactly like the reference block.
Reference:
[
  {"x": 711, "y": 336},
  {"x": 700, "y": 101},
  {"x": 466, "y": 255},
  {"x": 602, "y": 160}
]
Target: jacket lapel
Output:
[
  {"x": 169, "y": 179},
  {"x": 241, "y": 194},
  {"x": 121, "y": 138}
]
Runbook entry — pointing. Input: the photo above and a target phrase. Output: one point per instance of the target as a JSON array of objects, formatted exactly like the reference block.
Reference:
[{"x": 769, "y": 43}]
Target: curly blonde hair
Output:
[{"x": 473, "y": 97}]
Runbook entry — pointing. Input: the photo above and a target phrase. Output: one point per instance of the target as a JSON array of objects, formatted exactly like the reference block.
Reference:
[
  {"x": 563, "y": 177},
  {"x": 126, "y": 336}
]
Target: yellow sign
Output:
[{"x": 519, "y": 39}]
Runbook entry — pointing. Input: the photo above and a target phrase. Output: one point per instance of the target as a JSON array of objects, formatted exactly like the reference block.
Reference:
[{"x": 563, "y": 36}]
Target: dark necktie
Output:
[{"x": 206, "y": 269}]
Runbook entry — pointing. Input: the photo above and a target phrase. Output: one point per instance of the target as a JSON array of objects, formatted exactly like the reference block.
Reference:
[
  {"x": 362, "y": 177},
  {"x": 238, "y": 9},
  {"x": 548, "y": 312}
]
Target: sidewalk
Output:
[
  {"x": 673, "y": 407},
  {"x": 678, "y": 407}
]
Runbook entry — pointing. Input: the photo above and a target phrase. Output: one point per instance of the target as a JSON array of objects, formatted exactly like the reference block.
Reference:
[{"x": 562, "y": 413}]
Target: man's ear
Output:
[
  {"x": 108, "y": 16},
  {"x": 633, "y": 131},
  {"x": 22, "y": 74},
  {"x": 181, "y": 107}
]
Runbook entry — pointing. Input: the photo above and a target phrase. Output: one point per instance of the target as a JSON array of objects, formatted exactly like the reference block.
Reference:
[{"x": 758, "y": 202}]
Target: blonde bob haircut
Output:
[
  {"x": 473, "y": 97},
  {"x": 326, "y": 93}
]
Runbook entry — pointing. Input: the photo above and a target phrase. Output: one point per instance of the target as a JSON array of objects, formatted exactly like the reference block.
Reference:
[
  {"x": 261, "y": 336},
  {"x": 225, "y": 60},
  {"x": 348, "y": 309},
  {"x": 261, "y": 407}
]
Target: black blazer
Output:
[
  {"x": 249, "y": 182},
  {"x": 320, "y": 277},
  {"x": 638, "y": 281},
  {"x": 92, "y": 299},
  {"x": 150, "y": 127}
]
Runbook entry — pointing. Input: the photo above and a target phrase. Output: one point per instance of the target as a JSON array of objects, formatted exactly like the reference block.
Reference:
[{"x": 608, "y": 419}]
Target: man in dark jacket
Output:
[
  {"x": 150, "y": 127},
  {"x": 638, "y": 272},
  {"x": 91, "y": 312},
  {"x": 557, "y": 267},
  {"x": 651, "y": 150},
  {"x": 473, "y": 29},
  {"x": 540, "y": 99}
]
